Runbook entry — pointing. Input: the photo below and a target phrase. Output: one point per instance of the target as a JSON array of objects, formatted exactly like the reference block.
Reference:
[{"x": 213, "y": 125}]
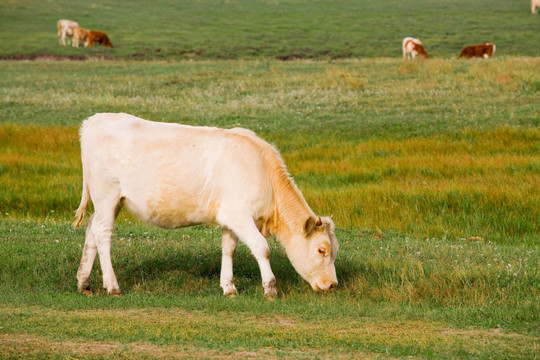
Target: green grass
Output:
[
  {"x": 397, "y": 296},
  {"x": 284, "y": 29},
  {"x": 350, "y": 99},
  {"x": 440, "y": 259},
  {"x": 430, "y": 168}
]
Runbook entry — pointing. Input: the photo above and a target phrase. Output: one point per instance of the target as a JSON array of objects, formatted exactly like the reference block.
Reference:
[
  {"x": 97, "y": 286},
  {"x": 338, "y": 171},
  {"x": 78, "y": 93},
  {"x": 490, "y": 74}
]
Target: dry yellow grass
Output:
[
  {"x": 474, "y": 184},
  {"x": 477, "y": 183}
]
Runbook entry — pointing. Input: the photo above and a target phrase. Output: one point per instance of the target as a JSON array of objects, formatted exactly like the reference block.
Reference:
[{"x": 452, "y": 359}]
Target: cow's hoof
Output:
[
  {"x": 231, "y": 293},
  {"x": 270, "y": 294},
  {"x": 115, "y": 292},
  {"x": 229, "y": 289},
  {"x": 270, "y": 290},
  {"x": 85, "y": 290}
]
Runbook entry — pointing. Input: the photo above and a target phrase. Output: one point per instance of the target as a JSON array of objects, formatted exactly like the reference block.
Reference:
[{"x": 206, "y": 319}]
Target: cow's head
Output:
[{"x": 313, "y": 252}]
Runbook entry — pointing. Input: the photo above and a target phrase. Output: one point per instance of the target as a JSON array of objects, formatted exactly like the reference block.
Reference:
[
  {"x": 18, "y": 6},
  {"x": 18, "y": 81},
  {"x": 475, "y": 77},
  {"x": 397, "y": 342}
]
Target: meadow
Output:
[
  {"x": 431, "y": 170},
  {"x": 441, "y": 152},
  {"x": 275, "y": 29}
]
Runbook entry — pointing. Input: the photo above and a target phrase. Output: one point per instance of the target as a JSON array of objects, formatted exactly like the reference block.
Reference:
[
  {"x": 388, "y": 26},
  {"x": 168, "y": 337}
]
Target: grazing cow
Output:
[
  {"x": 412, "y": 47},
  {"x": 485, "y": 50},
  {"x": 65, "y": 29},
  {"x": 80, "y": 34},
  {"x": 97, "y": 37},
  {"x": 534, "y": 4},
  {"x": 174, "y": 175}
]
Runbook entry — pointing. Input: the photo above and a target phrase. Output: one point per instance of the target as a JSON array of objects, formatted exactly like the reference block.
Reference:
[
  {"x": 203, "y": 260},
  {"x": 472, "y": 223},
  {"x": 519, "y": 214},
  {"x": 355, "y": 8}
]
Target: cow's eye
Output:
[{"x": 322, "y": 251}]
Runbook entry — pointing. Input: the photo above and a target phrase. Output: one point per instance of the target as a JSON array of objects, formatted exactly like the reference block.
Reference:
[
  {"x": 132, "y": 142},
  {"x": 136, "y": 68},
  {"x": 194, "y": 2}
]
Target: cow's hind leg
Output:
[
  {"x": 229, "y": 241},
  {"x": 87, "y": 260},
  {"x": 107, "y": 207},
  {"x": 102, "y": 228}
]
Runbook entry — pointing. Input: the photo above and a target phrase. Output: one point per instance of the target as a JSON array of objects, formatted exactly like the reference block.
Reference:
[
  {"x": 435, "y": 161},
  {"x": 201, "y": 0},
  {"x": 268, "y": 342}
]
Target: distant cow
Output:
[
  {"x": 175, "y": 175},
  {"x": 485, "y": 50},
  {"x": 534, "y": 4},
  {"x": 80, "y": 34},
  {"x": 97, "y": 37},
  {"x": 65, "y": 29},
  {"x": 412, "y": 47}
]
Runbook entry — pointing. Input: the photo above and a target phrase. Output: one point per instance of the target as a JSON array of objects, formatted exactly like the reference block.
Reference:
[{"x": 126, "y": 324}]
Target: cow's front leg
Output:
[
  {"x": 247, "y": 232},
  {"x": 228, "y": 244}
]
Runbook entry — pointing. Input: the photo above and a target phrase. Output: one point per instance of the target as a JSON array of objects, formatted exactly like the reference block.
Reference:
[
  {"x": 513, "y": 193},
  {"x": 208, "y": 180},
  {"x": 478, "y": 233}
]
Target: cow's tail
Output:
[{"x": 83, "y": 206}]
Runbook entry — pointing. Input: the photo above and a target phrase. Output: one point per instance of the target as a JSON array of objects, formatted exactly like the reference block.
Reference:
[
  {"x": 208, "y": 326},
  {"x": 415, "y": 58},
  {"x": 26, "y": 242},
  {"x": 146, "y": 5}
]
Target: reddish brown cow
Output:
[
  {"x": 485, "y": 50},
  {"x": 97, "y": 37}
]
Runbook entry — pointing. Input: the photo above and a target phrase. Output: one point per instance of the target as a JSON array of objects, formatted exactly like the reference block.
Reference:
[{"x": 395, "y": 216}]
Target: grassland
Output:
[
  {"x": 430, "y": 168},
  {"x": 398, "y": 297},
  {"x": 284, "y": 29},
  {"x": 447, "y": 149}
]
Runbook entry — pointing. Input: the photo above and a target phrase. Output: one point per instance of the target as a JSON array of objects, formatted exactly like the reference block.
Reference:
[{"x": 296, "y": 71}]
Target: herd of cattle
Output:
[
  {"x": 413, "y": 47},
  {"x": 71, "y": 29}
]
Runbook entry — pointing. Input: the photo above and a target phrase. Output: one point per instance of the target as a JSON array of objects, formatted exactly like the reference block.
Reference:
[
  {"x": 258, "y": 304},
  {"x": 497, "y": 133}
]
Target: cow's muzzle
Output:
[{"x": 325, "y": 285}]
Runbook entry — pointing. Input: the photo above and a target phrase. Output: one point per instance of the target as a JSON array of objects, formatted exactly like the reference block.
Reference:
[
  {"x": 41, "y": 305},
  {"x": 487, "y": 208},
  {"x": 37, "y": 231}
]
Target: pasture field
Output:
[
  {"x": 282, "y": 29},
  {"x": 398, "y": 297},
  {"x": 441, "y": 149},
  {"x": 431, "y": 170}
]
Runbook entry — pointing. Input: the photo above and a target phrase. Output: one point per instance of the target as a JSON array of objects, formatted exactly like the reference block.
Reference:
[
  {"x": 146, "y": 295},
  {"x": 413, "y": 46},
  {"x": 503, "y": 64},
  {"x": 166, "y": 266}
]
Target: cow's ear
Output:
[{"x": 310, "y": 225}]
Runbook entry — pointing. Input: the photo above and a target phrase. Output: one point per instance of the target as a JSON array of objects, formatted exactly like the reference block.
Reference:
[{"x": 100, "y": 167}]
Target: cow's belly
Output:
[
  {"x": 172, "y": 202},
  {"x": 171, "y": 214}
]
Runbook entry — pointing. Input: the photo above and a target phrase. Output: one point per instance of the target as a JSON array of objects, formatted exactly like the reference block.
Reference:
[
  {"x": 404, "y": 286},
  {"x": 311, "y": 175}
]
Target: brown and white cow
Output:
[
  {"x": 412, "y": 47},
  {"x": 97, "y": 37},
  {"x": 534, "y": 4},
  {"x": 485, "y": 50},
  {"x": 173, "y": 175},
  {"x": 80, "y": 34},
  {"x": 65, "y": 29}
]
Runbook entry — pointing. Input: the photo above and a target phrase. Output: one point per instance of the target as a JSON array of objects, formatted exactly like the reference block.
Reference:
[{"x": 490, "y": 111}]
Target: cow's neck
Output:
[{"x": 290, "y": 211}]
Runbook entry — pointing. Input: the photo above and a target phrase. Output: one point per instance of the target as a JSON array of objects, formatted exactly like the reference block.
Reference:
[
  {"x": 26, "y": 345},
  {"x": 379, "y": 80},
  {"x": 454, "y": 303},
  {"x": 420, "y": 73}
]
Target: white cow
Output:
[
  {"x": 534, "y": 4},
  {"x": 175, "y": 175},
  {"x": 412, "y": 47},
  {"x": 65, "y": 29}
]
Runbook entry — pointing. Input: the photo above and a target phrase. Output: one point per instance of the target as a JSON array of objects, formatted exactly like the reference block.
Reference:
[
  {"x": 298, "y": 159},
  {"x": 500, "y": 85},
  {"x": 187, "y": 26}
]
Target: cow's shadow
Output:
[{"x": 197, "y": 270}]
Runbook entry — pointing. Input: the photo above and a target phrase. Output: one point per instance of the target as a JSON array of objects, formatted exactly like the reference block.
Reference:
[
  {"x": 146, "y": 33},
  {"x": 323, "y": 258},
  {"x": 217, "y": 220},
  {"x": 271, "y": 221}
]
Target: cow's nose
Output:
[{"x": 329, "y": 285}]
